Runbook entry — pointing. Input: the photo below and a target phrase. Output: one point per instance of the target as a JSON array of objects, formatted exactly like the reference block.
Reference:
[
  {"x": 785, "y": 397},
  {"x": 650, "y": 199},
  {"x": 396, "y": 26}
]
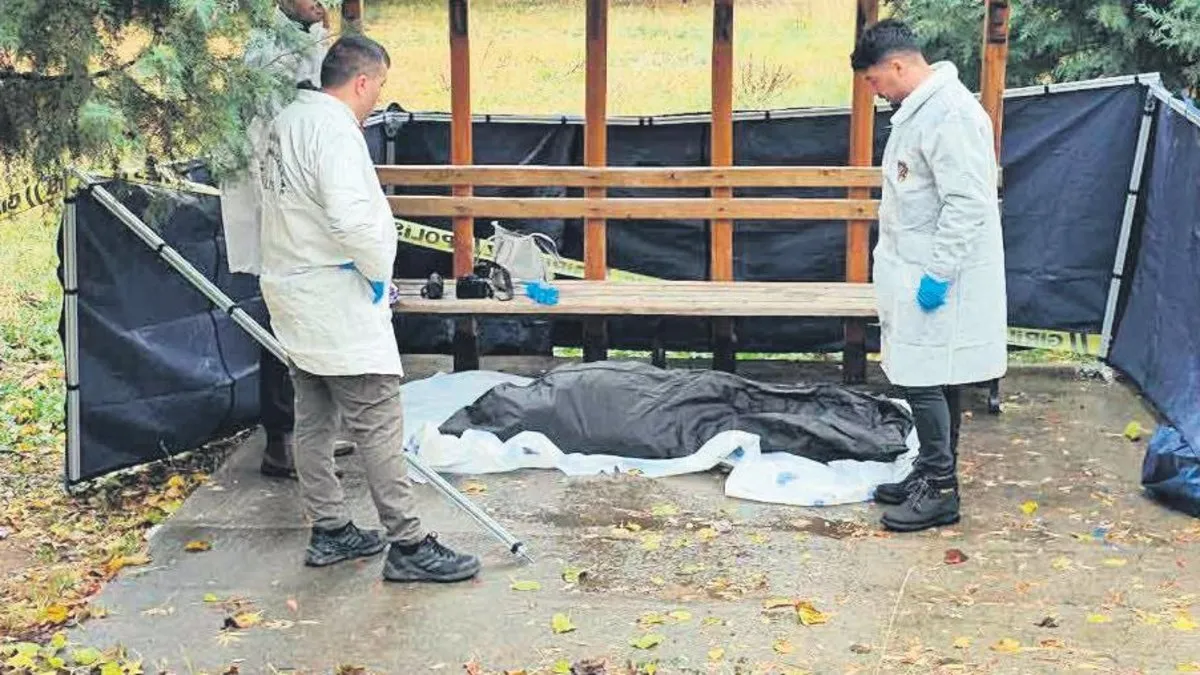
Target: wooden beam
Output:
[
  {"x": 595, "y": 151},
  {"x": 858, "y": 232},
  {"x": 352, "y": 14},
  {"x": 995, "y": 63},
  {"x": 461, "y": 152},
  {"x": 466, "y": 334},
  {"x": 631, "y": 177},
  {"x": 683, "y": 208},
  {"x": 722, "y": 133}
]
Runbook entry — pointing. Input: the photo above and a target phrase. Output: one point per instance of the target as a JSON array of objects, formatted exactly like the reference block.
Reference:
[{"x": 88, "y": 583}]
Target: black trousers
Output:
[
  {"x": 937, "y": 414},
  {"x": 276, "y": 397}
]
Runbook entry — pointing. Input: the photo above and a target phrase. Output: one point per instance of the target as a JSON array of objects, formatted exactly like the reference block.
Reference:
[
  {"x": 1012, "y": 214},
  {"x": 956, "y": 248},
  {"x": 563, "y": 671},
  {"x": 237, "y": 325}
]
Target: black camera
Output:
[
  {"x": 434, "y": 288},
  {"x": 472, "y": 287}
]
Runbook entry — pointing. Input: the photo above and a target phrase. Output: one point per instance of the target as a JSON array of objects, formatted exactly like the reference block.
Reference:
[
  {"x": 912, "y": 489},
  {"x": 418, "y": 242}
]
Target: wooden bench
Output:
[{"x": 598, "y": 299}]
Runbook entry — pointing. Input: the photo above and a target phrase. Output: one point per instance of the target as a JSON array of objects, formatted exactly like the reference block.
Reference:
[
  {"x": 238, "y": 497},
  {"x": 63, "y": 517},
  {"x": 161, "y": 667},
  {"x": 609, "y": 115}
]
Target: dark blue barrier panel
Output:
[{"x": 1158, "y": 339}]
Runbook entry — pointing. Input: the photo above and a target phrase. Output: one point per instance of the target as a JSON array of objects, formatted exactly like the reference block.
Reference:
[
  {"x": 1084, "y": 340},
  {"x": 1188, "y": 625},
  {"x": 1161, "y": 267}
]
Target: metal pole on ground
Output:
[{"x": 263, "y": 337}]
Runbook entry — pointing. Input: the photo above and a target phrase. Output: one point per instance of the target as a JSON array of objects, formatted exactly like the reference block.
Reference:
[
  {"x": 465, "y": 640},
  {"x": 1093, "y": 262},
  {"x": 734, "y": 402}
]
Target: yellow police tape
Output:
[
  {"x": 438, "y": 239},
  {"x": 43, "y": 191}
]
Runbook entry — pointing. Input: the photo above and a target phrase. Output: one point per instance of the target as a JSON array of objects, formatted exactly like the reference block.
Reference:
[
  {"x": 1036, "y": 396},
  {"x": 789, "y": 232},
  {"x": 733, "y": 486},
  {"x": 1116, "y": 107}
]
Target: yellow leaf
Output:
[
  {"x": 1007, "y": 646},
  {"x": 711, "y": 621},
  {"x": 526, "y": 586},
  {"x": 1193, "y": 667},
  {"x": 1133, "y": 431},
  {"x": 474, "y": 487},
  {"x": 211, "y": 597},
  {"x": 782, "y": 646},
  {"x": 651, "y": 541},
  {"x": 1099, "y": 618},
  {"x": 633, "y": 527},
  {"x": 647, "y": 641},
  {"x": 808, "y": 614},
  {"x": 651, "y": 618},
  {"x": 197, "y": 546},
  {"x": 758, "y": 538},
  {"x": 716, "y": 654},
  {"x": 1115, "y": 562},
  {"x": 111, "y": 668},
  {"x": 561, "y": 667},
  {"x": 560, "y": 623},
  {"x": 706, "y": 534},
  {"x": 55, "y": 613},
  {"x": 571, "y": 575},
  {"x": 775, "y": 603},
  {"x": 1029, "y": 508},
  {"x": 176, "y": 482},
  {"x": 962, "y": 643},
  {"x": 1184, "y": 622},
  {"x": 247, "y": 619},
  {"x": 681, "y": 542},
  {"x": 1061, "y": 564},
  {"x": 658, "y": 581},
  {"x": 680, "y": 615},
  {"x": 663, "y": 510},
  {"x": 58, "y": 641},
  {"x": 1147, "y": 618}
]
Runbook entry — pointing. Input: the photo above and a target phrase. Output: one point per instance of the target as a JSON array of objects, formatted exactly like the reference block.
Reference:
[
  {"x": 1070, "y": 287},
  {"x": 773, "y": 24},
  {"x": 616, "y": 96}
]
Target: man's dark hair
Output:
[
  {"x": 349, "y": 56},
  {"x": 882, "y": 40}
]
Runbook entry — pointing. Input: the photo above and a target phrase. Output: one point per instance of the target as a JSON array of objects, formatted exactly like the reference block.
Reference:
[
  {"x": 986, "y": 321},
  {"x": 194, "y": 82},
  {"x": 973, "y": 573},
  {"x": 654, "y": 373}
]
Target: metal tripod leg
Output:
[{"x": 263, "y": 337}]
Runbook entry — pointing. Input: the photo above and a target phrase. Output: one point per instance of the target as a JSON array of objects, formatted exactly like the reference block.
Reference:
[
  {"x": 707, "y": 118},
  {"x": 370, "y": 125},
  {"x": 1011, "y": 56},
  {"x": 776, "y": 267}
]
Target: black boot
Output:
[
  {"x": 932, "y": 503},
  {"x": 277, "y": 459},
  {"x": 327, "y": 547},
  {"x": 429, "y": 560},
  {"x": 897, "y": 493}
]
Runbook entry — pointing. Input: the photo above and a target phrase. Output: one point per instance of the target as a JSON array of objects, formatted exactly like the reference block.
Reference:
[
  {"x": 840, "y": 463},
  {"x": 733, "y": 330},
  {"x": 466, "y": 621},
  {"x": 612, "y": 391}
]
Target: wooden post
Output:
[
  {"x": 858, "y": 232},
  {"x": 595, "y": 150},
  {"x": 995, "y": 62},
  {"x": 352, "y": 15},
  {"x": 721, "y": 244},
  {"x": 466, "y": 346}
]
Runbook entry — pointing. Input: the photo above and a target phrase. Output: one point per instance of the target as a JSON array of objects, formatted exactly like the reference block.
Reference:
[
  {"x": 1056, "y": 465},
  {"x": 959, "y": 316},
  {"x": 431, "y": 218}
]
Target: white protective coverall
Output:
[
  {"x": 323, "y": 206},
  {"x": 939, "y": 214},
  {"x": 241, "y": 199}
]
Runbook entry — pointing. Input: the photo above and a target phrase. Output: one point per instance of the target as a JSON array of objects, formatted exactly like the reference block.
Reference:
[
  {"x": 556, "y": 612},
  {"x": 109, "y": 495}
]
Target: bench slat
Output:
[
  {"x": 625, "y": 208},
  {"x": 630, "y": 177},
  {"x": 663, "y": 298}
]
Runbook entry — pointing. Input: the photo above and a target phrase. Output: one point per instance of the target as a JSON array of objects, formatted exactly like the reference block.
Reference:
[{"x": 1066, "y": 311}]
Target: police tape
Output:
[
  {"x": 438, "y": 239},
  {"x": 44, "y": 190}
]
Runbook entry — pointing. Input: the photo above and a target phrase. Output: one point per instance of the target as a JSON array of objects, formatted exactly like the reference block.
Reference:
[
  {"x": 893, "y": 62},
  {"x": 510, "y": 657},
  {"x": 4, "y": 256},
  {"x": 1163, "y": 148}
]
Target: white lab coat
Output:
[
  {"x": 298, "y": 55},
  {"x": 323, "y": 206},
  {"x": 940, "y": 214}
]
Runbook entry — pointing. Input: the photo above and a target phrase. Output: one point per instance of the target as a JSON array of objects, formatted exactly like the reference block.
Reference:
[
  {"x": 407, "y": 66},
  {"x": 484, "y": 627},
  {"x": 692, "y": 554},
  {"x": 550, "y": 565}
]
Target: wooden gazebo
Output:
[{"x": 720, "y": 297}]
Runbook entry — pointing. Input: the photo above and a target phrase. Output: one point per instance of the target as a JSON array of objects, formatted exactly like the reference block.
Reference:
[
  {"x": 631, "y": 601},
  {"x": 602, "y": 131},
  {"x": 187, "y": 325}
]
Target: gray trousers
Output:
[
  {"x": 371, "y": 416},
  {"x": 937, "y": 414}
]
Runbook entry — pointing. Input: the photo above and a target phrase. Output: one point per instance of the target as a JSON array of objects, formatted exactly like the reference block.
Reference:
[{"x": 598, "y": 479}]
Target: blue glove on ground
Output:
[
  {"x": 348, "y": 266},
  {"x": 932, "y": 293}
]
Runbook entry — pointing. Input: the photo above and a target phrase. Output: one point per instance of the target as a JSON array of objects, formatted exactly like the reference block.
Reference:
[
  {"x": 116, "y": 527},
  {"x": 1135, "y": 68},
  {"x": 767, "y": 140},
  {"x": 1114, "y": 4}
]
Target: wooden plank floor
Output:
[{"x": 661, "y": 298}]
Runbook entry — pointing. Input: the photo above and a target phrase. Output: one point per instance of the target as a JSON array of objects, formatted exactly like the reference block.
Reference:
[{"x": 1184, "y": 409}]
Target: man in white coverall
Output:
[
  {"x": 293, "y": 51},
  {"x": 328, "y": 246},
  {"x": 938, "y": 264}
]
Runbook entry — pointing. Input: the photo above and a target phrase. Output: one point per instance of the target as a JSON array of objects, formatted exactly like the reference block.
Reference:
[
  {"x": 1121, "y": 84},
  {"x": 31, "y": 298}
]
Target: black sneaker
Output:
[
  {"x": 327, "y": 547},
  {"x": 429, "y": 560},
  {"x": 897, "y": 493},
  {"x": 932, "y": 503}
]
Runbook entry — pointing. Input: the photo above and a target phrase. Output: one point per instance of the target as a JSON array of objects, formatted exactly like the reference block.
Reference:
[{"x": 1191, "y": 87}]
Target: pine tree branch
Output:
[{"x": 9, "y": 74}]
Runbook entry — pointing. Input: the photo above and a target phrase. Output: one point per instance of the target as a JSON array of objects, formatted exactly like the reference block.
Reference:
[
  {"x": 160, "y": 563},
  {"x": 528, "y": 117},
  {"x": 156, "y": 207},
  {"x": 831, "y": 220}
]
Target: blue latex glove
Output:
[
  {"x": 378, "y": 287},
  {"x": 348, "y": 266},
  {"x": 932, "y": 293}
]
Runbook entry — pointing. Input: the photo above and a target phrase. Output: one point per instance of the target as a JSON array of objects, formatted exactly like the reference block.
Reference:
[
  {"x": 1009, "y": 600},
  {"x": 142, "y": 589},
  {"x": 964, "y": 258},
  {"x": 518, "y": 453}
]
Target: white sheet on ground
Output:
[{"x": 776, "y": 477}]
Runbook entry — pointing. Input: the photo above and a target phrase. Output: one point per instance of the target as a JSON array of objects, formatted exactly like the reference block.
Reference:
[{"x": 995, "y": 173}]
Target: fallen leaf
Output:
[
  {"x": 716, "y": 654},
  {"x": 782, "y": 646},
  {"x": 573, "y": 575},
  {"x": 111, "y": 668},
  {"x": 706, "y": 534},
  {"x": 474, "y": 487},
  {"x": 176, "y": 482},
  {"x": 775, "y": 603},
  {"x": 694, "y": 568},
  {"x": 560, "y": 623},
  {"x": 651, "y": 541},
  {"x": 1133, "y": 431},
  {"x": 633, "y": 527},
  {"x": 1193, "y": 667},
  {"x": 1099, "y": 618},
  {"x": 647, "y": 641},
  {"x": 86, "y": 656},
  {"x": 1061, "y": 564},
  {"x": 197, "y": 546},
  {"x": 247, "y": 619},
  {"x": 561, "y": 667},
  {"x": 757, "y": 538},
  {"x": 955, "y": 557},
  {"x": 651, "y": 619},
  {"x": 680, "y": 615},
  {"x": 55, "y": 613},
  {"x": 1115, "y": 562},
  {"x": 1184, "y": 622},
  {"x": 526, "y": 586},
  {"x": 1007, "y": 646},
  {"x": 962, "y": 643},
  {"x": 1029, "y": 508},
  {"x": 681, "y": 542},
  {"x": 809, "y": 616},
  {"x": 663, "y": 510},
  {"x": 211, "y": 597},
  {"x": 711, "y": 621}
]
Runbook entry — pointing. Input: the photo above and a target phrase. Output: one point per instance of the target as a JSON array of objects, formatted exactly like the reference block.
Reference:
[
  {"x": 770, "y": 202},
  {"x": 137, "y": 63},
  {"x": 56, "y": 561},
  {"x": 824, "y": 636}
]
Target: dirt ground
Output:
[{"x": 1059, "y": 565}]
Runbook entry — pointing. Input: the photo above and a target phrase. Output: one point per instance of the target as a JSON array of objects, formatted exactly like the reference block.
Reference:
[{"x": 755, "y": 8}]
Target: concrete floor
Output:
[{"x": 1097, "y": 578}]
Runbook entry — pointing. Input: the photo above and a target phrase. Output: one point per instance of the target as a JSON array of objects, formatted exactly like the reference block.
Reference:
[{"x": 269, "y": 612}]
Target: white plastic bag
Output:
[{"x": 524, "y": 255}]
